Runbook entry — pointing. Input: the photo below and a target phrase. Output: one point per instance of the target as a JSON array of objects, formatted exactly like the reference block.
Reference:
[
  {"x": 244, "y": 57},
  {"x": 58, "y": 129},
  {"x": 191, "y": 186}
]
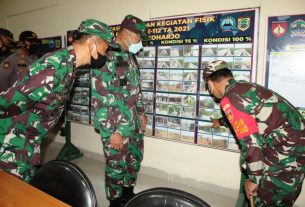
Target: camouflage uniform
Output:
[
  {"x": 272, "y": 137},
  {"x": 15, "y": 67},
  {"x": 30, "y": 108},
  {"x": 117, "y": 99}
]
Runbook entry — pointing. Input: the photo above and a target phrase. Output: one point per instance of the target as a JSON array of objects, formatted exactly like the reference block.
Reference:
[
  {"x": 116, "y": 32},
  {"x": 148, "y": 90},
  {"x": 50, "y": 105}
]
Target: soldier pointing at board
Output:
[{"x": 271, "y": 133}]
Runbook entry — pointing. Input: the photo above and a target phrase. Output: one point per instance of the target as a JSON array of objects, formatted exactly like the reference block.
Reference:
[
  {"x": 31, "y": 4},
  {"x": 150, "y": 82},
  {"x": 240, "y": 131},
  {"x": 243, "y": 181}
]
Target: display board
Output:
[
  {"x": 285, "y": 72},
  {"x": 177, "y": 105},
  {"x": 176, "y": 102}
]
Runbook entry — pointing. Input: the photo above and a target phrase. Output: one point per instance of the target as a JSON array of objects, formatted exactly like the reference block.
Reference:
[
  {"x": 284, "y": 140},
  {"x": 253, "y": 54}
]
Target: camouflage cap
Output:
[
  {"x": 28, "y": 35},
  {"x": 99, "y": 29},
  {"x": 135, "y": 25},
  {"x": 213, "y": 67},
  {"x": 7, "y": 34}
]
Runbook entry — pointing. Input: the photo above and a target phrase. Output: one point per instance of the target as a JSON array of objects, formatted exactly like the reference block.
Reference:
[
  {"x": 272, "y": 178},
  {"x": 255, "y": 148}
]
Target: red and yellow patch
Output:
[{"x": 242, "y": 123}]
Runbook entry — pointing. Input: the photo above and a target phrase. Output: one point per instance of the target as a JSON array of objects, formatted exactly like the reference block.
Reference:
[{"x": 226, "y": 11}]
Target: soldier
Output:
[
  {"x": 7, "y": 44},
  {"x": 119, "y": 112},
  {"x": 15, "y": 67},
  {"x": 271, "y": 133},
  {"x": 30, "y": 108}
]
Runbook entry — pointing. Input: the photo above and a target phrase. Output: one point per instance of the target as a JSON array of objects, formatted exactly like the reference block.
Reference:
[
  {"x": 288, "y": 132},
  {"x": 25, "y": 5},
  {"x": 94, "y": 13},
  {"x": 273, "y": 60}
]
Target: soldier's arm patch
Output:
[
  {"x": 242, "y": 123},
  {"x": 6, "y": 65}
]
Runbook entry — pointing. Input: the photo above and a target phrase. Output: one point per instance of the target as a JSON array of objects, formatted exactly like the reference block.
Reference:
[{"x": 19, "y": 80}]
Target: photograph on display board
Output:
[
  {"x": 191, "y": 50},
  {"x": 189, "y": 87},
  {"x": 148, "y": 63},
  {"x": 147, "y": 85},
  {"x": 190, "y": 75},
  {"x": 189, "y": 100},
  {"x": 176, "y": 51},
  {"x": 175, "y": 99},
  {"x": 191, "y": 62},
  {"x": 209, "y": 50},
  {"x": 147, "y": 52},
  {"x": 243, "y": 50},
  {"x": 78, "y": 113},
  {"x": 207, "y": 102},
  {"x": 162, "y": 108},
  {"x": 176, "y": 75},
  {"x": 176, "y": 62},
  {"x": 243, "y": 63},
  {"x": 164, "y": 51},
  {"x": 82, "y": 77},
  {"x": 162, "y": 86},
  {"x": 163, "y": 74},
  {"x": 174, "y": 110},
  {"x": 188, "y": 125},
  {"x": 163, "y": 63},
  {"x": 174, "y": 123},
  {"x": 147, "y": 74},
  {"x": 188, "y": 112},
  {"x": 241, "y": 75},
  {"x": 226, "y": 50}
]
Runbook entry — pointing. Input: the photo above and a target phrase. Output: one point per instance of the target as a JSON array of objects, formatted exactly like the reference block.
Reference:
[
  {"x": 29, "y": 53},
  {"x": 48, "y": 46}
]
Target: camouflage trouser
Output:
[
  {"x": 17, "y": 155},
  {"x": 122, "y": 167},
  {"x": 279, "y": 191}
]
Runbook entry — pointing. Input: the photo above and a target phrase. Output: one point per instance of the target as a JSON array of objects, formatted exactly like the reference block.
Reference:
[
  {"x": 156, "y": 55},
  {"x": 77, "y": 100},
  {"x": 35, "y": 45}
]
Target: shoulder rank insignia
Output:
[{"x": 6, "y": 65}]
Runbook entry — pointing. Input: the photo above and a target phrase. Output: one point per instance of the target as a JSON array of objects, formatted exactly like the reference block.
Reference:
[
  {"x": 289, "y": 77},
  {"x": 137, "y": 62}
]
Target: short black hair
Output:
[
  {"x": 80, "y": 36},
  {"x": 218, "y": 76}
]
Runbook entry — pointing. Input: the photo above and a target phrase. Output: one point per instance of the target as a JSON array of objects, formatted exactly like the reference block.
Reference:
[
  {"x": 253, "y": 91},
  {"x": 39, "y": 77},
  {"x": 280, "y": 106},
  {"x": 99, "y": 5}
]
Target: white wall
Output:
[{"x": 177, "y": 161}]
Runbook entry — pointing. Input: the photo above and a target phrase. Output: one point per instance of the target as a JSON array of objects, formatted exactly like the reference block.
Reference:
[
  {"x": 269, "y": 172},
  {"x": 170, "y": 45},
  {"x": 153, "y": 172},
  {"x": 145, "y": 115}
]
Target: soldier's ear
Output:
[{"x": 93, "y": 48}]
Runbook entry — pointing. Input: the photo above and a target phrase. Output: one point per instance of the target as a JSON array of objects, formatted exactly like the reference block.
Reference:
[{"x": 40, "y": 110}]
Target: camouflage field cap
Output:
[
  {"x": 7, "y": 34},
  {"x": 135, "y": 25},
  {"x": 99, "y": 29},
  {"x": 213, "y": 67}
]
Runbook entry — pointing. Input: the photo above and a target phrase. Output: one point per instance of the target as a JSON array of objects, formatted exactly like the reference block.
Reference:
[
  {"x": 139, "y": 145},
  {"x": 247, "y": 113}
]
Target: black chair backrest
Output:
[
  {"x": 66, "y": 182},
  {"x": 165, "y": 197}
]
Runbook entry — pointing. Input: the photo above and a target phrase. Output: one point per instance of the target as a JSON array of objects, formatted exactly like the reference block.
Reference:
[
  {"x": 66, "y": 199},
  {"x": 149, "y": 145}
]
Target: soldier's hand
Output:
[
  {"x": 250, "y": 188},
  {"x": 143, "y": 120},
  {"x": 116, "y": 141},
  {"x": 215, "y": 123}
]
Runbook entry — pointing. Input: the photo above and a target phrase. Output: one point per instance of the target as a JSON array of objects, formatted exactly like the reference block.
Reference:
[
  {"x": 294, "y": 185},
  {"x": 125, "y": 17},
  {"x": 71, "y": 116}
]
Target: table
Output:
[{"x": 14, "y": 193}]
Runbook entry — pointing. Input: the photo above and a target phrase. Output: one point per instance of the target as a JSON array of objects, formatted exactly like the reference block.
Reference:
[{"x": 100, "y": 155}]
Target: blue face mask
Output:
[{"x": 135, "y": 47}]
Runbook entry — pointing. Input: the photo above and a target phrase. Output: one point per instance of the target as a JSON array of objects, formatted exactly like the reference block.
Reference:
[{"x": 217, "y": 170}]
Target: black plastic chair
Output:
[
  {"x": 66, "y": 182},
  {"x": 165, "y": 197}
]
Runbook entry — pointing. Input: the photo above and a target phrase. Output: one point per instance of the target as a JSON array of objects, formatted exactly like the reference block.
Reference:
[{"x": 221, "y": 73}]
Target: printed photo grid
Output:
[
  {"x": 79, "y": 104},
  {"x": 176, "y": 69}
]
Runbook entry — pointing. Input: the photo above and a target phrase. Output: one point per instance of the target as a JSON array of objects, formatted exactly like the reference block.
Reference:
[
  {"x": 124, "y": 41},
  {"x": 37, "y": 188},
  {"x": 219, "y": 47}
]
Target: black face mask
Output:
[
  {"x": 34, "y": 49},
  {"x": 99, "y": 62}
]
